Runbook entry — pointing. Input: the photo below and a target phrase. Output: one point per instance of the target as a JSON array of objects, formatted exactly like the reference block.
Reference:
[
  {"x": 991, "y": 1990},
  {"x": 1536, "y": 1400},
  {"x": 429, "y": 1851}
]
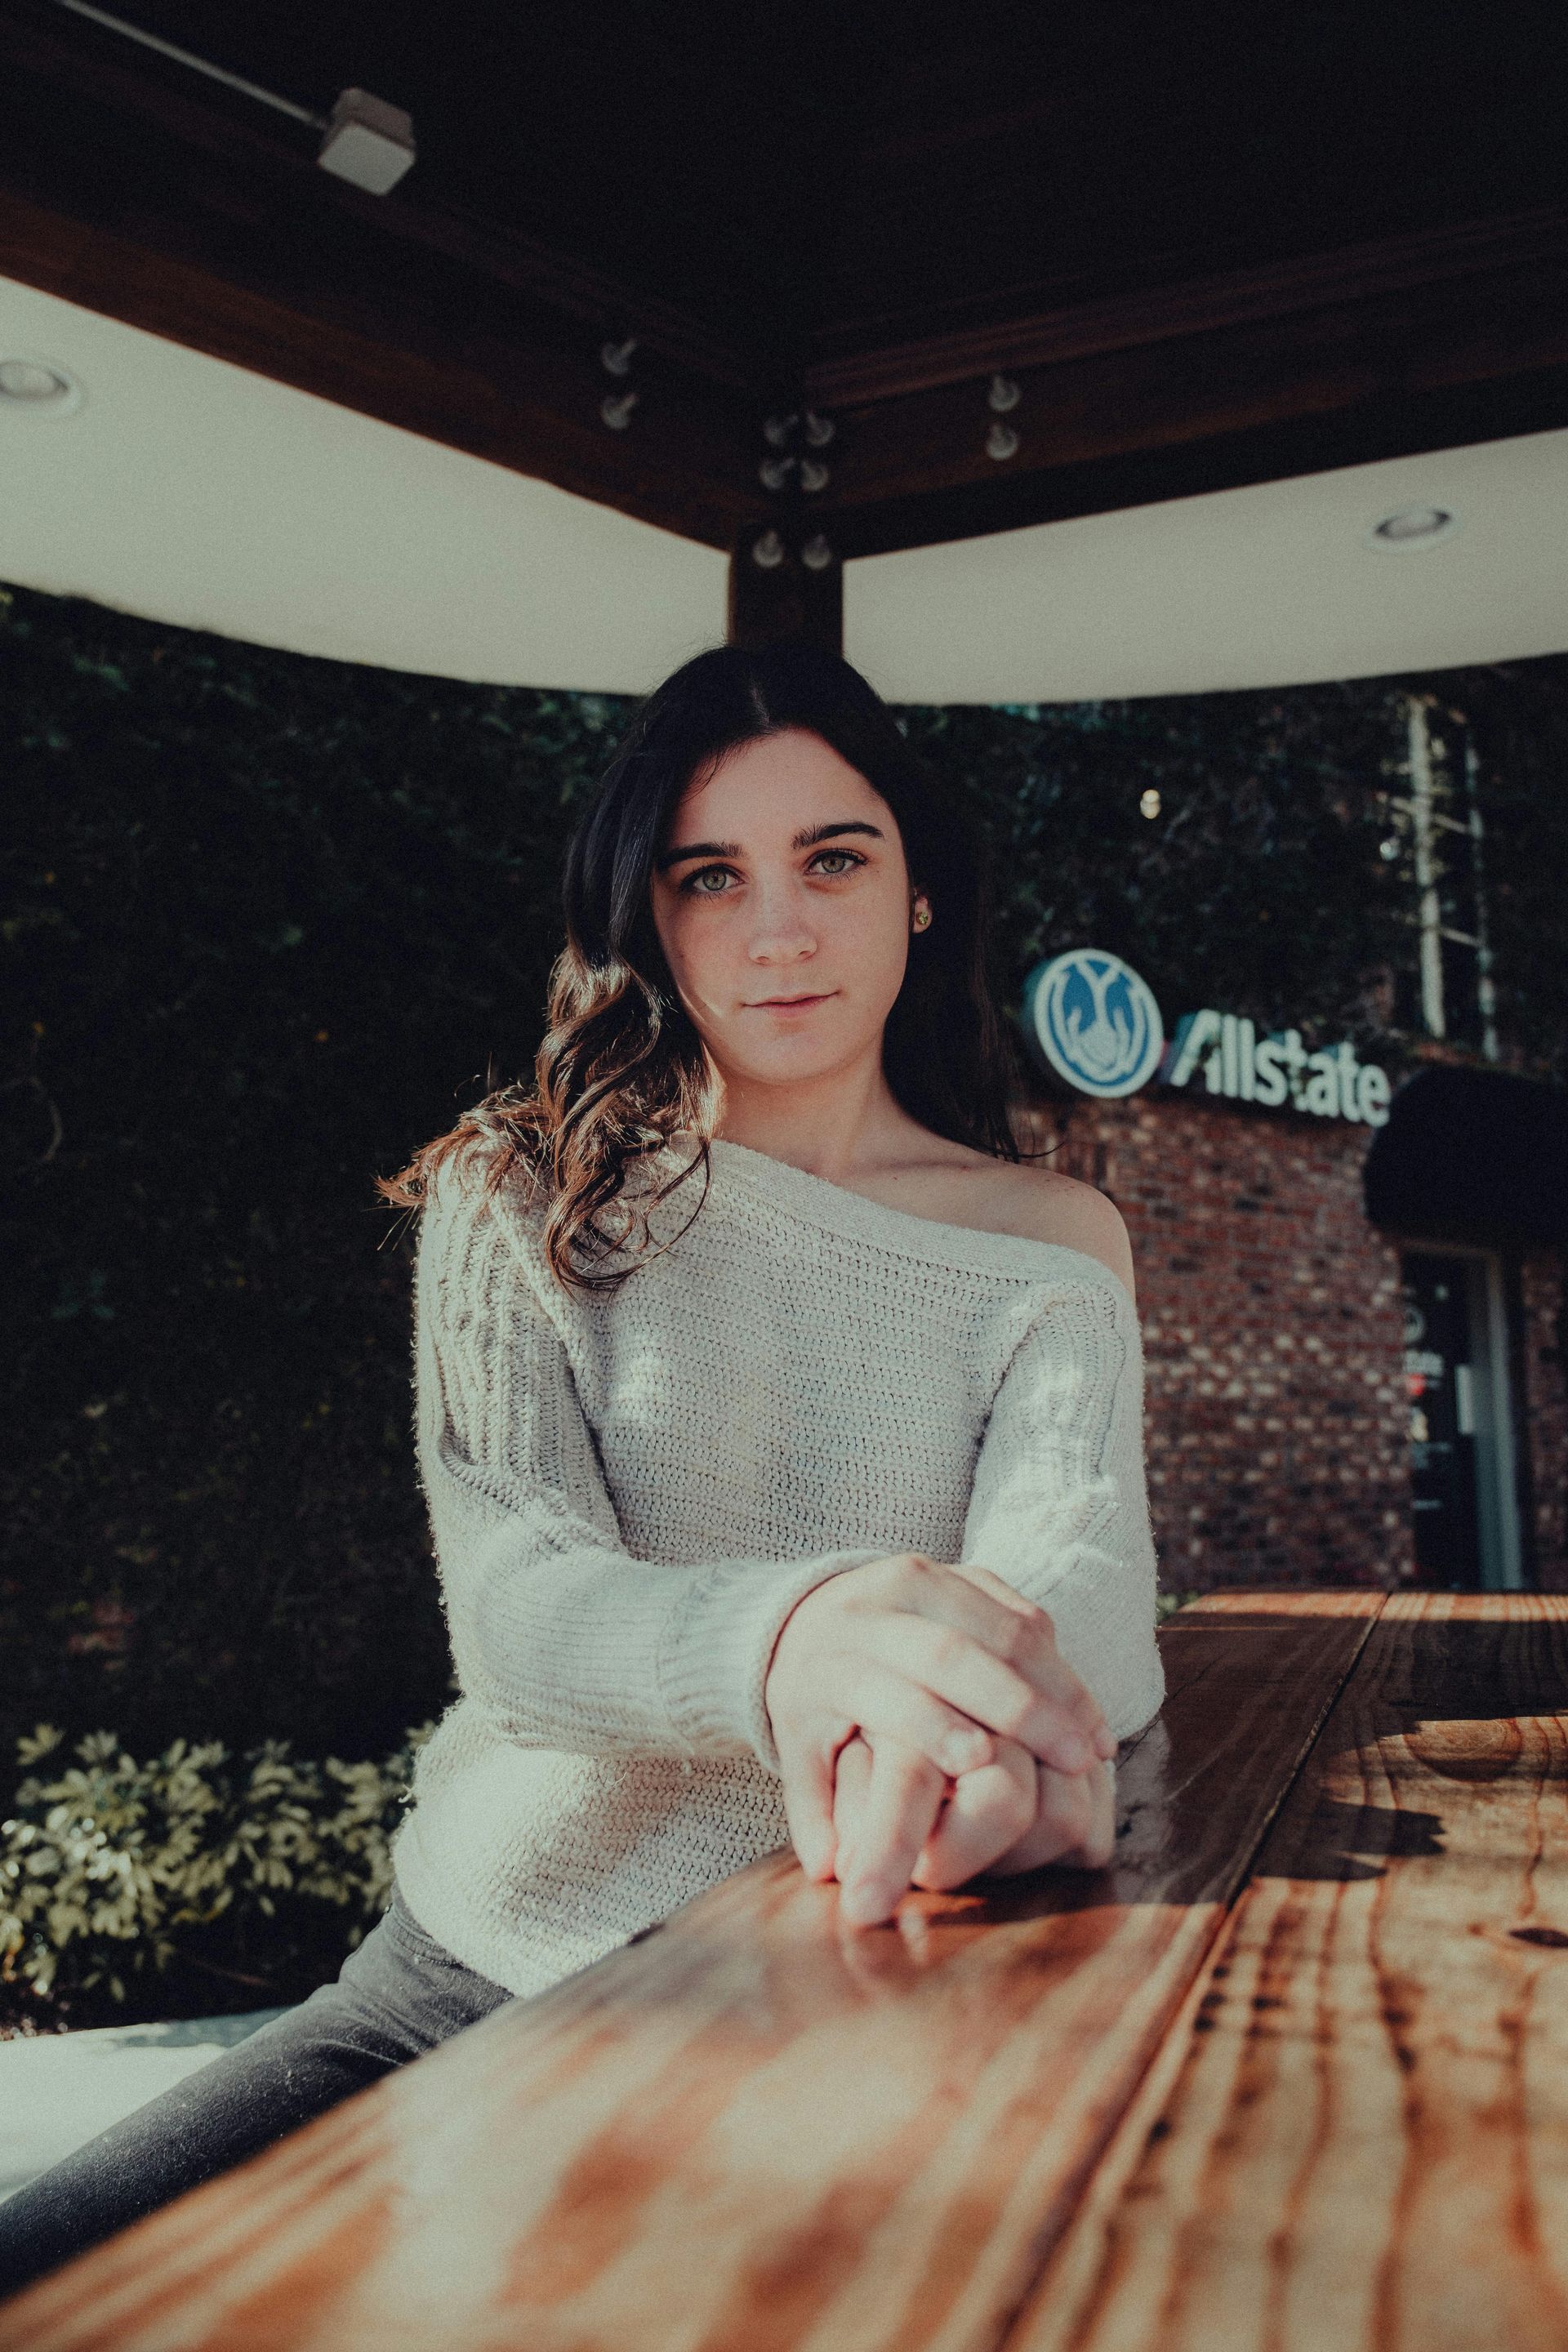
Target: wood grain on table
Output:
[
  {"x": 755, "y": 2128},
  {"x": 1358, "y": 2140}
]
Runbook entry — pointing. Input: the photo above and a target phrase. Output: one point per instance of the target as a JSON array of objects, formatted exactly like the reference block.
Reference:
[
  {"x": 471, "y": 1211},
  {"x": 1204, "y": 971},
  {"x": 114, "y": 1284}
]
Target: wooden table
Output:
[{"x": 1290, "y": 2076}]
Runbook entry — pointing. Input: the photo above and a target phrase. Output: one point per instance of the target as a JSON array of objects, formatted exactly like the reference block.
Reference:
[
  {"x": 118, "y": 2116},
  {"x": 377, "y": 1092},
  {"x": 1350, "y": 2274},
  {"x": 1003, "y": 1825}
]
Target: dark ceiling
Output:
[{"x": 1211, "y": 244}]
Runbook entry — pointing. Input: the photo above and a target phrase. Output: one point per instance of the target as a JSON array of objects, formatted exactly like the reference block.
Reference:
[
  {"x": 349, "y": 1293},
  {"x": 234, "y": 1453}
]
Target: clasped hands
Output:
[{"x": 929, "y": 1730}]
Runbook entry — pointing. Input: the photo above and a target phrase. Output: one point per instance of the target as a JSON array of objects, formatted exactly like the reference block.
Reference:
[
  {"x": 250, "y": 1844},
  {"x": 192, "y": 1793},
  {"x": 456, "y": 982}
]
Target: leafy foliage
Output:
[
  {"x": 1257, "y": 884},
  {"x": 272, "y": 920},
  {"x": 112, "y": 1870},
  {"x": 1263, "y": 882}
]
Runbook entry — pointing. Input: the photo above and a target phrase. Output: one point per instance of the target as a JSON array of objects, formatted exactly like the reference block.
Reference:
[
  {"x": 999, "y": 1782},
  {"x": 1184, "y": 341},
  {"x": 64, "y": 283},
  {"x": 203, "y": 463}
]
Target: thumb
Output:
[{"x": 808, "y": 1807}]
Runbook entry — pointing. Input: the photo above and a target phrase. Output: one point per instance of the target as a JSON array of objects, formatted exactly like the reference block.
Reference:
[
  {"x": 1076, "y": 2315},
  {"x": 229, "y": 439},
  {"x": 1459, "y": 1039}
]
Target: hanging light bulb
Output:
[
  {"x": 773, "y": 472},
  {"x": 1001, "y": 442},
  {"x": 777, "y": 429},
  {"x": 819, "y": 430},
  {"x": 1004, "y": 394},
  {"x": 617, "y": 407},
  {"x": 1149, "y": 802},
  {"x": 814, "y": 475},
  {"x": 768, "y": 551},
  {"x": 816, "y": 555},
  {"x": 617, "y": 357}
]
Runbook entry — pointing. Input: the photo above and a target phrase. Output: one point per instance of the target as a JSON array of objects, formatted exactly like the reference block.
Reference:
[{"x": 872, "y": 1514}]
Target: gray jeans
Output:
[{"x": 398, "y": 1995}]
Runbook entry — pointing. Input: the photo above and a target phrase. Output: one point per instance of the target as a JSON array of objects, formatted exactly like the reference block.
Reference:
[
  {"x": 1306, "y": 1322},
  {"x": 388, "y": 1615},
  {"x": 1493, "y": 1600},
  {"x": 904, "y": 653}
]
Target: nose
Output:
[{"x": 783, "y": 932}]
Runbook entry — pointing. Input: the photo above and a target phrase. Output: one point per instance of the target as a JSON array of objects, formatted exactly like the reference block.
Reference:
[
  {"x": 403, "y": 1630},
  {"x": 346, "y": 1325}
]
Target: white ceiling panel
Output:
[
  {"x": 1272, "y": 585},
  {"x": 189, "y": 490}
]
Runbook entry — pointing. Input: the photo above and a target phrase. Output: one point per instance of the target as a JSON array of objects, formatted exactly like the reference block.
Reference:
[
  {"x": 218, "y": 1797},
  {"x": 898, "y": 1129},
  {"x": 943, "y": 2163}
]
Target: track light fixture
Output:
[{"x": 368, "y": 142}]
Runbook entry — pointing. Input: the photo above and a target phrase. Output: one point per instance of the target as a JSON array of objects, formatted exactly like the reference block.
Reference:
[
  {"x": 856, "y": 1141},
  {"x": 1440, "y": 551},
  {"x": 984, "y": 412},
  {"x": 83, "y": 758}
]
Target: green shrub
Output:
[{"x": 109, "y": 1868}]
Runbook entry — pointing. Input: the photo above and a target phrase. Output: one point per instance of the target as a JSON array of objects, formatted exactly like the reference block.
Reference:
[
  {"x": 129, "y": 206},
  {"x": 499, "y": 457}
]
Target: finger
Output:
[
  {"x": 986, "y": 1814},
  {"x": 807, "y": 1773},
  {"x": 1075, "y": 1824},
  {"x": 902, "y": 1800},
  {"x": 1008, "y": 1622},
  {"x": 851, "y": 1780},
  {"x": 1091, "y": 1714},
  {"x": 975, "y": 1602},
  {"x": 952, "y": 1666},
  {"x": 1023, "y": 1635},
  {"x": 1099, "y": 1845},
  {"x": 888, "y": 1704}
]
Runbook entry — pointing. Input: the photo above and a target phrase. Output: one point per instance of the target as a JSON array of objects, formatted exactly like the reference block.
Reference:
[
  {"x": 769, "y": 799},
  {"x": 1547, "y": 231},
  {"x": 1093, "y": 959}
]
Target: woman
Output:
[{"x": 781, "y": 1429}]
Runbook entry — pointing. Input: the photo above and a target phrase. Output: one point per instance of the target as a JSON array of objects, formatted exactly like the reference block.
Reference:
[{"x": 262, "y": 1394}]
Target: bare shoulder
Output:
[
  {"x": 959, "y": 1185},
  {"x": 1044, "y": 1206}
]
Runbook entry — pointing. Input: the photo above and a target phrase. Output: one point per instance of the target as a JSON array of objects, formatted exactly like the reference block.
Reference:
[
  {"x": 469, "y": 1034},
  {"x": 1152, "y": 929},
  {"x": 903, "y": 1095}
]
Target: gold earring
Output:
[{"x": 922, "y": 917}]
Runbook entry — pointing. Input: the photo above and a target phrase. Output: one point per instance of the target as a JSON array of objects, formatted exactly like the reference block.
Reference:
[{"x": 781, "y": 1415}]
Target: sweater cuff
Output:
[
  {"x": 1107, "y": 1637},
  {"x": 720, "y": 1644}
]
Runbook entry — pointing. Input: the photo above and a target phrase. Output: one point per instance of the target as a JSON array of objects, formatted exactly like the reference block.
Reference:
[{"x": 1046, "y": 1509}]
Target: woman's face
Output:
[{"x": 783, "y": 904}]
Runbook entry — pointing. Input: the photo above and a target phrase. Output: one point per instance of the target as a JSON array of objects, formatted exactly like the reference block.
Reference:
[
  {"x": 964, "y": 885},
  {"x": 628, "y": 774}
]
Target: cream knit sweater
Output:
[{"x": 628, "y": 1493}]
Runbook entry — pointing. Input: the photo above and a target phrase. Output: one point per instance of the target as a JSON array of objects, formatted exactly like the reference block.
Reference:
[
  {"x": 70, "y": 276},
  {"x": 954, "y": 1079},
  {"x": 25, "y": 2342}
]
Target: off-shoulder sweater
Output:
[{"x": 630, "y": 1490}]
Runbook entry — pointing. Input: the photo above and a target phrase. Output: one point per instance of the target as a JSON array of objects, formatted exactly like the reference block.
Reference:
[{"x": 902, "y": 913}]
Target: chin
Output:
[
  {"x": 786, "y": 1069},
  {"x": 789, "y": 1060}
]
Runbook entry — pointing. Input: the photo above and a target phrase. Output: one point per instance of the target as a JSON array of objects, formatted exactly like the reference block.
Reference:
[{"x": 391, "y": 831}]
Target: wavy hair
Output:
[{"x": 622, "y": 1070}]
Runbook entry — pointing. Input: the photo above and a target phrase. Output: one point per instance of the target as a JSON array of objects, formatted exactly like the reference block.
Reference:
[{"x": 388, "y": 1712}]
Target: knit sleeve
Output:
[
  {"x": 1059, "y": 1506},
  {"x": 565, "y": 1637}
]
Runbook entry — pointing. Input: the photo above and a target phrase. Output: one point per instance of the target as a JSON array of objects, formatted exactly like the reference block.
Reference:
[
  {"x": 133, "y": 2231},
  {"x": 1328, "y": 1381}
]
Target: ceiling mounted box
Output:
[{"x": 368, "y": 141}]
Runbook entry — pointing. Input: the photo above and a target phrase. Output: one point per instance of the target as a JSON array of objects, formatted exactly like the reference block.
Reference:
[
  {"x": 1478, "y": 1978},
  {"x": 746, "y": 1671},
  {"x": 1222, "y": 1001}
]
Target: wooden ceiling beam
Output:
[
  {"x": 1402, "y": 424},
  {"x": 783, "y": 603},
  {"x": 1340, "y": 386},
  {"x": 1056, "y": 333}
]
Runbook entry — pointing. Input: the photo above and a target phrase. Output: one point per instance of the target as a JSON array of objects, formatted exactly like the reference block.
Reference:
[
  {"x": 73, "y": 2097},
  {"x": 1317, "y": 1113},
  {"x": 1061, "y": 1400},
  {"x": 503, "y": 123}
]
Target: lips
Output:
[{"x": 788, "y": 1004}]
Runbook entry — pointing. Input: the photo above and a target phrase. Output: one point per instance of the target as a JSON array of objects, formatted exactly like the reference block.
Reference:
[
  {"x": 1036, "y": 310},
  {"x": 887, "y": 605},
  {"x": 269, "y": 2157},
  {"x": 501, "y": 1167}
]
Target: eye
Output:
[{"x": 697, "y": 885}]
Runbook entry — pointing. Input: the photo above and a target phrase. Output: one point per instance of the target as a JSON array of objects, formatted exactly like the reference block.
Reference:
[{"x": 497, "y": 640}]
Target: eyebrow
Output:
[{"x": 807, "y": 840}]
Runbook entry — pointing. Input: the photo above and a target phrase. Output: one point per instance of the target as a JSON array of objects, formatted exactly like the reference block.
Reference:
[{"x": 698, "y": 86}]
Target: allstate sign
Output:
[
  {"x": 1095, "y": 1021},
  {"x": 1098, "y": 1025}
]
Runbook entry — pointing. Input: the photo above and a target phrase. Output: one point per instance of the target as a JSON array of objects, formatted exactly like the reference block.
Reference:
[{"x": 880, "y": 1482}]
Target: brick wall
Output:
[{"x": 1274, "y": 1335}]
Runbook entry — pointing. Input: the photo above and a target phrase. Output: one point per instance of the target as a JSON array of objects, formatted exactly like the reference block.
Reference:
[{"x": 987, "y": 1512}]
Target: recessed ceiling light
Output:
[
  {"x": 34, "y": 387},
  {"x": 1412, "y": 527}
]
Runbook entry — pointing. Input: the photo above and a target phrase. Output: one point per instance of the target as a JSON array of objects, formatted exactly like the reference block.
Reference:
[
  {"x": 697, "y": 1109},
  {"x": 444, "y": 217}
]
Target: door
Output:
[{"x": 1461, "y": 1453}]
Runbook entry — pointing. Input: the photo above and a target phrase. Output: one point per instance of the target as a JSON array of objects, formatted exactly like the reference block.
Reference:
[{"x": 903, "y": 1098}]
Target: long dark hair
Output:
[{"x": 622, "y": 1069}]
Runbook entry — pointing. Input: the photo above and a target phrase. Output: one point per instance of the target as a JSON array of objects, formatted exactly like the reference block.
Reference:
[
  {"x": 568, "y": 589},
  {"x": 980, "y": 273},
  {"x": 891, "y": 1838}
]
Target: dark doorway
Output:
[{"x": 1461, "y": 1460}]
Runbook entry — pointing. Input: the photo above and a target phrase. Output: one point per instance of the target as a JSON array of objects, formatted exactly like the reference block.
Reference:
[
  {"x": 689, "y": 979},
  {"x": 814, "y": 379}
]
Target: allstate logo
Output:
[{"x": 1095, "y": 1021}]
